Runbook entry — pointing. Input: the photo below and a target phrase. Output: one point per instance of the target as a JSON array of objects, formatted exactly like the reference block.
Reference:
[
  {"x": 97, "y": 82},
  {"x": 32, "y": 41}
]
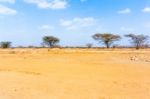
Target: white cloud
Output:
[
  {"x": 77, "y": 23},
  {"x": 51, "y": 4},
  {"x": 46, "y": 27},
  {"x": 147, "y": 25},
  {"x": 8, "y": 1},
  {"x": 7, "y": 11},
  {"x": 146, "y": 9},
  {"x": 127, "y": 29},
  {"x": 125, "y": 11}
]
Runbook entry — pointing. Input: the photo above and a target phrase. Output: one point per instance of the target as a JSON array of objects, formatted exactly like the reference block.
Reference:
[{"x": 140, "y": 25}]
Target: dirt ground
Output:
[{"x": 74, "y": 74}]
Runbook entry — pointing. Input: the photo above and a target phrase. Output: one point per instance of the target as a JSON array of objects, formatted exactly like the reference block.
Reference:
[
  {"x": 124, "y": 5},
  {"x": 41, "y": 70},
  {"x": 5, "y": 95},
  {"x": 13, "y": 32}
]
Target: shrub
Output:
[{"x": 5, "y": 44}]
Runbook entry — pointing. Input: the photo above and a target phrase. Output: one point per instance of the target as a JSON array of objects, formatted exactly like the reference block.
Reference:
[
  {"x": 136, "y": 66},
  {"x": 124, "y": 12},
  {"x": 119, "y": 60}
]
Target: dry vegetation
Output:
[{"x": 74, "y": 74}]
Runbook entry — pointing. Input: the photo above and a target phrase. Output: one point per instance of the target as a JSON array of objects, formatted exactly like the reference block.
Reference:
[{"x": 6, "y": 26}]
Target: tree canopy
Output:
[
  {"x": 50, "y": 40},
  {"x": 5, "y": 44},
  {"x": 106, "y": 38},
  {"x": 138, "y": 41}
]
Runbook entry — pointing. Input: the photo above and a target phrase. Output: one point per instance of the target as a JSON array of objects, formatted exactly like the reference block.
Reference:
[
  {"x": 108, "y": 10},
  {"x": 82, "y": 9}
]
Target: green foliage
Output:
[
  {"x": 50, "y": 40},
  {"x": 5, "y": 44}
]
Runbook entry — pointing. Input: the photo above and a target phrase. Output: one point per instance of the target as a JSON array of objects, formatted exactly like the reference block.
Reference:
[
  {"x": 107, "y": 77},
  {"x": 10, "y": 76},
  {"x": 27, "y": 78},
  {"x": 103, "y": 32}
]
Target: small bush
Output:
[
  {"x": 5, "y": 44},
  {"x": 56, "y": 46},
  {"x": 89, "y": 45}
]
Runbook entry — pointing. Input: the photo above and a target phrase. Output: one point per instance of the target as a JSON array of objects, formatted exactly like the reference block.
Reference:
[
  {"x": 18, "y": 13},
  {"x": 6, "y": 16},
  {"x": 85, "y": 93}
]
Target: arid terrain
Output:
[{"x": 74, "y": 74}]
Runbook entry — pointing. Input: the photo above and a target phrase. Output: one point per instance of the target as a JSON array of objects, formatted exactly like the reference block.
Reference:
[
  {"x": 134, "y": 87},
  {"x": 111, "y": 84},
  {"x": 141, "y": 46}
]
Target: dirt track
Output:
[{"x": 74, "y": 74}]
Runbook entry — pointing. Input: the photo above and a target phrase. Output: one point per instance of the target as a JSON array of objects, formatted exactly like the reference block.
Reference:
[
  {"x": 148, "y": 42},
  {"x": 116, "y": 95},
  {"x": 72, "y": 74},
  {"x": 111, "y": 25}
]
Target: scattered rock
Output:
[
  {"x": 134, "y": 58},
  {"x": 147, "y": 60}
]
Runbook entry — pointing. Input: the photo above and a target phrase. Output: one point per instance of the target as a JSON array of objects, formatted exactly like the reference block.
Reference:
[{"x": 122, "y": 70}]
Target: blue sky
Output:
[{"x": 25, "y": 22}]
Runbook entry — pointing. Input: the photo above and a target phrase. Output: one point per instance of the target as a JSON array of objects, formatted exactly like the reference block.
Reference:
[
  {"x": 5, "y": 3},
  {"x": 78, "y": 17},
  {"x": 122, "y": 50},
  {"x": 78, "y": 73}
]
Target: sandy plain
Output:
[{"x": 74, "y": 74}]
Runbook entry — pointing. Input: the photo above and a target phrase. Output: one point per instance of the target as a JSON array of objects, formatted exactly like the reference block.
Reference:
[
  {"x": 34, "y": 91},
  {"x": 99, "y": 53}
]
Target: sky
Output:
[{"x": 25, "y": 22}]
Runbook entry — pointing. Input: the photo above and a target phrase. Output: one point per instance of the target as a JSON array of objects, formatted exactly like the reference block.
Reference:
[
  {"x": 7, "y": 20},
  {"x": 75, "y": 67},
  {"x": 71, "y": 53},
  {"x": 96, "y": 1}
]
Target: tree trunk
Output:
[
  {"x": 50, "y": 44},
  {"x": 107, "y": 45},
  {"x": 137, "y": 46}
]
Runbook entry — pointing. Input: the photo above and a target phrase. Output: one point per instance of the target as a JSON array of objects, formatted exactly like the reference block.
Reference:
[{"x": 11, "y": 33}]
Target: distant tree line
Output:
[{"x": 107, "y": 39}]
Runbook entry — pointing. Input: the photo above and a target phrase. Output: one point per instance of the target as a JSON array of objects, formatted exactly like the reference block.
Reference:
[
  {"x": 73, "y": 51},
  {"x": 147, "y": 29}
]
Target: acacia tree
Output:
[
  {"x": 89, "y": 45},
  {"x": 138, "y": 41},
  {"x": 106, "y": 38},
  {"x": 50, "y": 40},
  {"x": 5, "y": 44}
]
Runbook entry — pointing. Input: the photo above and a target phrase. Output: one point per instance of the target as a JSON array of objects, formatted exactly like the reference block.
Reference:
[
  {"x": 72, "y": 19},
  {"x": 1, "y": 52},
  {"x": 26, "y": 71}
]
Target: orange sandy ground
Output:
[{"x": 74, "y": 74}]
